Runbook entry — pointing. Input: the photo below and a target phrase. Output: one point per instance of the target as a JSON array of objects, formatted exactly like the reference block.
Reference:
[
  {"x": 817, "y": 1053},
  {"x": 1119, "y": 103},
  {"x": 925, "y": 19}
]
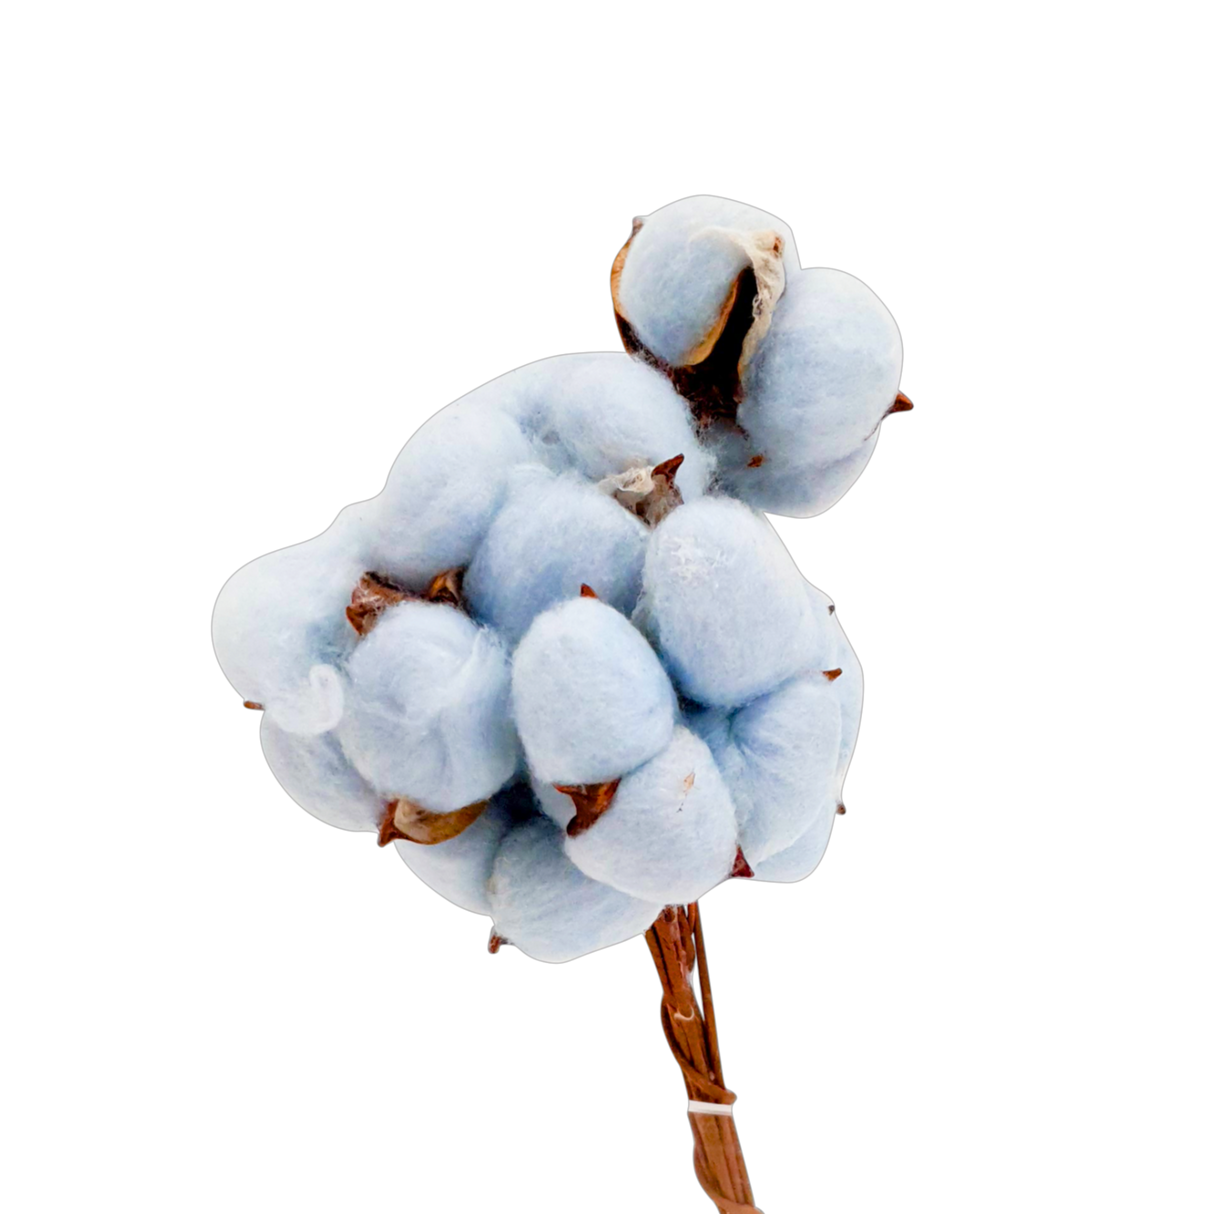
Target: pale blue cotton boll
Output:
[
  {"x": 825, "y": 374},
  {"x": 591, "y": 700},
  {"x": 779, "y": 484},
  {"x": 428, "y": 708},
  {"x": 553, "y": 535},
  {"x": 801, "y": 857},
  {"x": 726, "y": 605},
  {"x": 779, "y": 759},
  {"x": 545, "y": 906},
  {"x": 460, "y": 868},
  {"x": 443, "y": 491},
  {"x": 849, "y": 690},
  {"x": 669, "y": 834},
  {"x": 280, "y": 630},
  {"x": 681, "y": 266},
  {"x": 317, "y": 775},
  {"x": 603, "y": 414}
]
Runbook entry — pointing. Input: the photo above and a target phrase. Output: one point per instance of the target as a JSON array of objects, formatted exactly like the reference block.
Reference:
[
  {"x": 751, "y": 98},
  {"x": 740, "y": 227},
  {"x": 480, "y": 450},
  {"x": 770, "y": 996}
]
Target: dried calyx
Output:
[
  {"x": 709, "y": 376},
  {"x": 649, "y": 493},
  {"x": 590, "y": 802},
  {"x": 375, "y": 593},
  {"x": 405, "y": 820}
]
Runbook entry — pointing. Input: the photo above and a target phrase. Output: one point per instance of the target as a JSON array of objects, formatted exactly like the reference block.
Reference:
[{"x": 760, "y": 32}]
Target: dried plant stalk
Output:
[{"x": 676, "y": 941}]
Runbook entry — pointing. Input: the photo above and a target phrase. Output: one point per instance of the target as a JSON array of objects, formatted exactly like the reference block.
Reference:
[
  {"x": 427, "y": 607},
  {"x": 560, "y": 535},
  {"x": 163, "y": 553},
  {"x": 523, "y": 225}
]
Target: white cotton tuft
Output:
[
  {"x": 669, "y": 834},
  {"x": 459, "y": 868},
  {"x": 591, "y": 699},
  {"x": 682, "y": 264},
  {"x": 556, "y": 805},
  {"x": 801, "y": 857},
  {"x": 726, "y": 606},
  {"x": 443, "y": 491},
  {"x": 605, "y": 414},
  {"x": 554, "y": 534},
  {"x": 779, "y": 484},
  {"x": 428, "y": 708},
  {"x": 550, "y": 910},
  {"x": 280, "y": 630},
  {"x": 825, "y": 375},
  {"x": 779, "y": 757},
  {"x": 315, "y": 772}
]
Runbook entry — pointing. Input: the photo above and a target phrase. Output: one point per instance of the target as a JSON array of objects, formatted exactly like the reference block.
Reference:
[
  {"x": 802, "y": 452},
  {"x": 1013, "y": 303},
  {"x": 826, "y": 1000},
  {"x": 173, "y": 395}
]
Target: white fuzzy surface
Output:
[
  {"x": 460, "y": 868},
  {"x": 726, "y": 604},
  {"x": 779, "y": 757},
  {"x": 670, "y": 834},
  {"x": 553, "y": 534},
  {"x": 825, "y": 374},
  {"x": 591, "y": 700},
  {"x": 280, "y": 632},
  {"x": 681, "y": 266},
  {"x": 542, "y": 904},
  {"x": 801, "y": 857},
  {"x": 427, "y": 709},
  {"x": 781, "y": 485},
  {"x": 602, "y": 414},
  {"x": 442, "y": 493},
  {"x": 315, "y": 772},
  {"x": 556, "y": 805}
]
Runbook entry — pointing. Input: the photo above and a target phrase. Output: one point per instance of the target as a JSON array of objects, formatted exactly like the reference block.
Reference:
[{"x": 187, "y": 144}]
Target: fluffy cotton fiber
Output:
[
  {"x": 441, "y": 494},
  {"x": 545, "y": 906},
  {"x": 279, "y": 631},
  {"x": 682, "y": 264},
  {"x": 825, "y": 375},
  {"x": 427, "y": 710},
  {"x": 316, "y": 774},
  {"x": 798, "y": 861},
  {"x": 554, "y": 534},
  {"x": 460, "y": 868},
  {"x": 670, "y": 834},
  {"x": 591, "y": 700},
  {"x": 779, "y": 757},
  {"x": 726, "y": 606}
]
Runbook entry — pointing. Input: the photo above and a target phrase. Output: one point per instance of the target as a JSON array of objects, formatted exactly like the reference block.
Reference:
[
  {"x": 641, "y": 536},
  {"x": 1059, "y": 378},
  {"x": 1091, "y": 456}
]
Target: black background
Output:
[{"x": 328, "y": 970}]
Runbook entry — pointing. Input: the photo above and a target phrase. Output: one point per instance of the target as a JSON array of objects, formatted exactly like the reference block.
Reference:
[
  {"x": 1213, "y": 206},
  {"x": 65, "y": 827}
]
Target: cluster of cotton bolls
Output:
[{"x": 562, "y": 661}]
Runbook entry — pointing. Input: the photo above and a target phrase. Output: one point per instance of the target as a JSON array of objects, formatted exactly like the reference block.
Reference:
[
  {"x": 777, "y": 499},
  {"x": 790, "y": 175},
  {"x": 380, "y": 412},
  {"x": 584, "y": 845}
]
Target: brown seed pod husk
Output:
[
  {"x": 405, "y": 820},
  {"x": 590, "y": 801},
  {"x": 375, "y": 593}
]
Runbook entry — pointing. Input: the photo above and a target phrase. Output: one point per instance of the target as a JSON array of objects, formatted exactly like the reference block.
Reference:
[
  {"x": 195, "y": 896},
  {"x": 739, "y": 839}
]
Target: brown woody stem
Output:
[{"x": 676, "y": 942}]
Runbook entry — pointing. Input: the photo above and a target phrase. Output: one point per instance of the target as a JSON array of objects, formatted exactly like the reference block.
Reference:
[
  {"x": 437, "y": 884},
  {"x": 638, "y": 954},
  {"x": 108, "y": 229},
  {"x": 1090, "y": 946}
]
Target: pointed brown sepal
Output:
[
  {"x": 840, "y": 808},
  {"x": 496, "y": 942},
  {"x": 755, "y": 461},
  {"x": 405, "y": 820},
  {"x": 590, "y": 801},
  {"x": 668, "y": 467},
  {"x": 253, "y": 704},
  {"x": 902, "y": 404},
  {"x": 587, "y": 592},
  {"x": 373, "y": 595},
  {"x": 447, "y": 587},
  {"x": 832, "y": 675},
  {"x": 740, "y": 867},
  {"x": 831, "y": 609}
]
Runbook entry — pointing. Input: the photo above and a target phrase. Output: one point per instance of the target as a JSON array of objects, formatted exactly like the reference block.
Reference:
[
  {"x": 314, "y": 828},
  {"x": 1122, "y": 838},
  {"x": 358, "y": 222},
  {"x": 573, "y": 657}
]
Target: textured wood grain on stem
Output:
[{"x": 676, "y": 943}]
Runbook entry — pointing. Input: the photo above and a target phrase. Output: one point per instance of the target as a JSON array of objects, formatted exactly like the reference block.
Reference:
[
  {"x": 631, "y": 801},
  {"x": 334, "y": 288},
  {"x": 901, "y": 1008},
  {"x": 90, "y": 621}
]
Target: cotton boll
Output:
[
  {"x": 779, "y": 484},
  {"x": 460, "y": 868},
  {"x": 800, "y": 858},
  {"x": 545, "y": 906},
  {"x": 556, "y": 805},
  {"x": 442, "y": 493},
  {"x": 669, "y": 834},
  {"x": 603, "y": 414},
  {"x": 280, "y": 630},
  {"x": 427, "y": 709},
  {"x": 591, "y": 699},
  {"x": 726, "y": 605},
  {"x": 681, "y": 265},
  {"x": 825, "y": 375},
  {"x": 317, "y": 775},
  {"x": 779, "y": 759},
  {"x": 554, "y": 534}
]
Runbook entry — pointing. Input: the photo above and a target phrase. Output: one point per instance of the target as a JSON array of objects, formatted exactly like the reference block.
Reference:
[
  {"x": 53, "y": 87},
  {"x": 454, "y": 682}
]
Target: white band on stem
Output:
[{"x": 713, "y": 1110}]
